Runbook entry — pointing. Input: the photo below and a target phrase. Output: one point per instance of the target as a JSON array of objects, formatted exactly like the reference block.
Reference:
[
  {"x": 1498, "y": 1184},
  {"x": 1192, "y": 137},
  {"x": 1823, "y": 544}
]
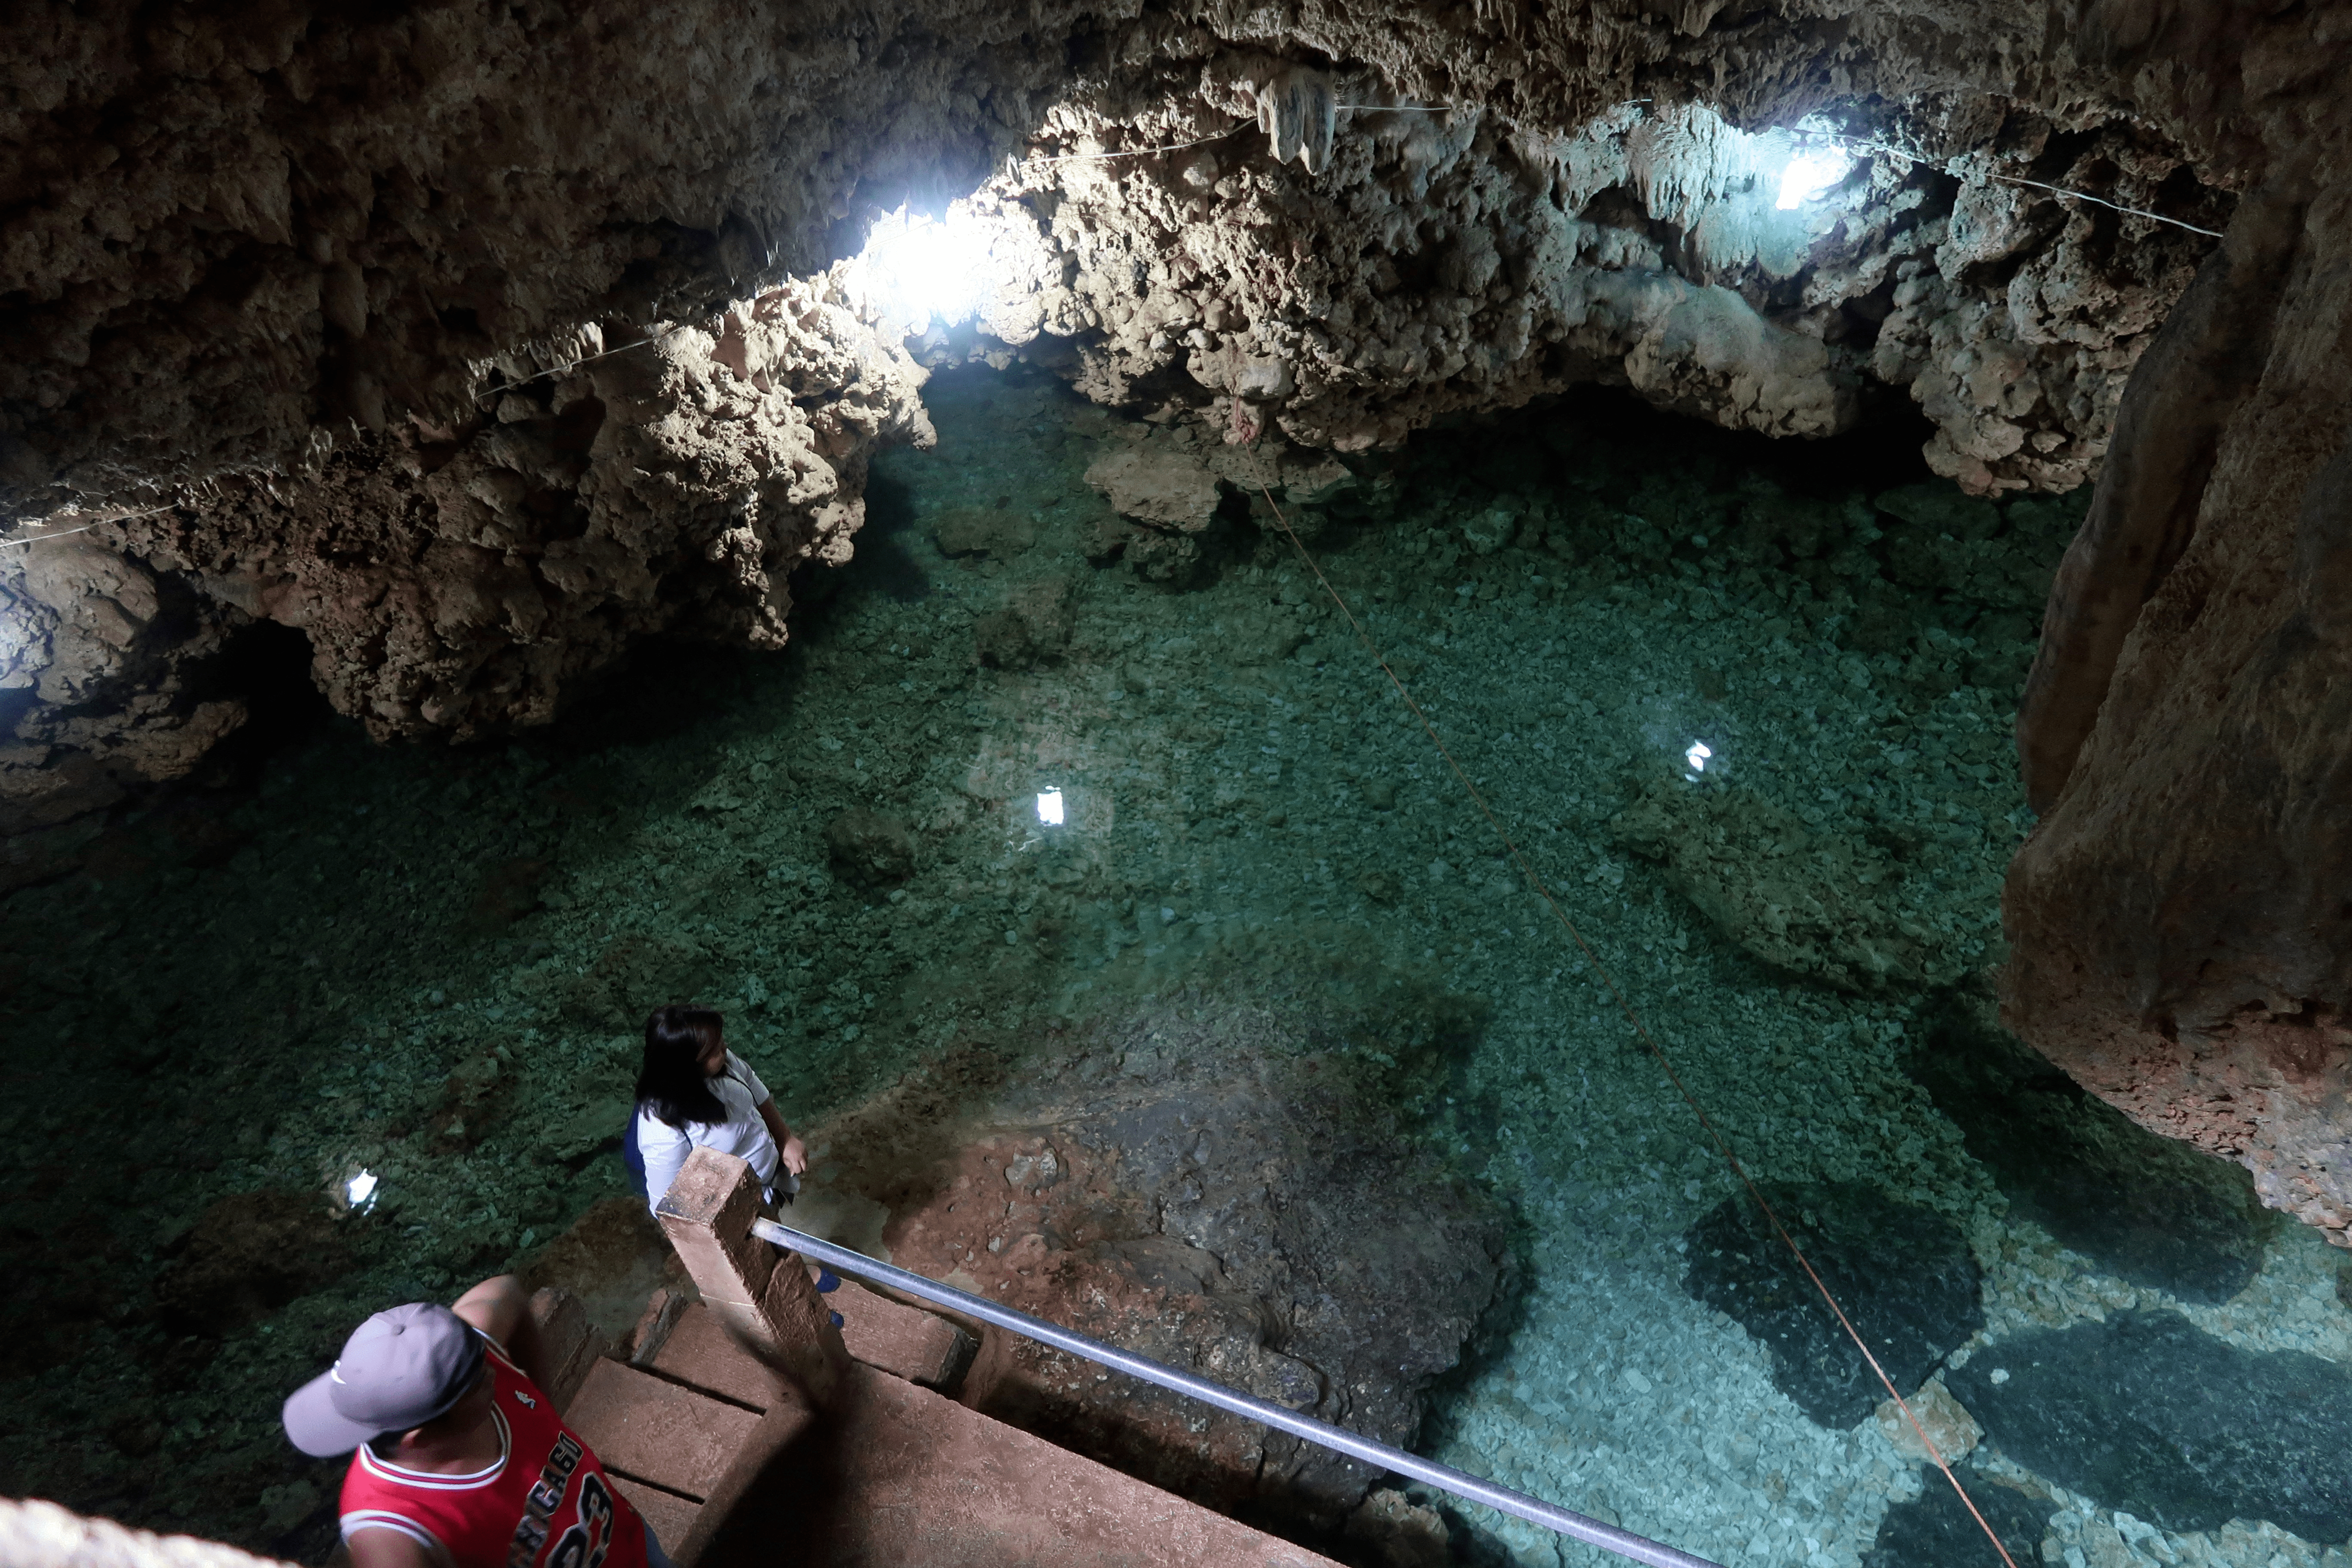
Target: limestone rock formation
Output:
[
  {"x": 451, "y": 580},
  {"x": 319, "y": 258},
  {"x": 2181, "y": 931},
  {"x": 1187, "y": 1192},
  {"x": 1444, "y": 261},
  {"x": 233, "y": 233},
  {"x": 103, "y": 666}
]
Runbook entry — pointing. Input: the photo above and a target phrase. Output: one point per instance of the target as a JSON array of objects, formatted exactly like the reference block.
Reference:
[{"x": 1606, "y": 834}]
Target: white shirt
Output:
[{"x": 743, "y": 1134}]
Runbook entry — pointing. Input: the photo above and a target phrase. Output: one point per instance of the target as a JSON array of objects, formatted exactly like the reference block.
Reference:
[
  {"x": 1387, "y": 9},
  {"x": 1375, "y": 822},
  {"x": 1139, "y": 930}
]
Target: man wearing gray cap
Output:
[{"x": 461, "y": 1461}]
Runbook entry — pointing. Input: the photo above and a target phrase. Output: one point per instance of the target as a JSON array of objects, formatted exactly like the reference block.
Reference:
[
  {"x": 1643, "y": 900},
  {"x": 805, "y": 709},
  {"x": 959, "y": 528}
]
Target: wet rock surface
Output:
[
  {"x": 2149, "y": 1415},
  {"x": 2145, "y": 1208},
  {"x": 1207, "y": 1193},
  {"x": 1936, "y": 1530},
  {"x": 1903, "y": 1273}
]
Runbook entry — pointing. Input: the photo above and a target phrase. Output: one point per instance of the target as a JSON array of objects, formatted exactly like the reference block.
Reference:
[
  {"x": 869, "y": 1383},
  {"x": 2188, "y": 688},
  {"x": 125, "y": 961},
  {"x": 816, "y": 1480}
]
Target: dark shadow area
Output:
[
  {"x": 1934, "y": 1529},
  {"x": 881, "y": 565},
  {"x": 268, "y": 666},
  {"x": 2148, "y": 1209},
  {"x": 1883, "y": 450},
  {"x": 663, "y": 690},
  {"x": 2149, "y": 1413},
  {"x": 1903, "y": 1273}
]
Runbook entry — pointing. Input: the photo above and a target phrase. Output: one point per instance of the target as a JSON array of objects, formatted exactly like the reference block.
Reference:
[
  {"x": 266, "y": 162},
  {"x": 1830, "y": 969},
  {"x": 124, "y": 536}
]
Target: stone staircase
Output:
[{"x": 750, "y": 1430}]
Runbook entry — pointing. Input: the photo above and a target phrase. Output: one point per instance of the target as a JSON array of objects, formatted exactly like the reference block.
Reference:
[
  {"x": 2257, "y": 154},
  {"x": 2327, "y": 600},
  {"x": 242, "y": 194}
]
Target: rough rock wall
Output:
[
  {"x": 233, "y": 229},
  {"x": 2180, "y": 919},
  {"x": 102, "y": 662},
  {"x": 454, "y": 580},
  {"x": 1440, "y": 262},
  {"x": 451, "y": 580}
]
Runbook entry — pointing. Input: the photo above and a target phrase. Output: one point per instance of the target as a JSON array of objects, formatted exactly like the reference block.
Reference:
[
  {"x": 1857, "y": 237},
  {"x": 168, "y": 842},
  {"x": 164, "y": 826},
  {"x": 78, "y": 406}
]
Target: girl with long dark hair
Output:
[{"x": 693, "y": 1092}]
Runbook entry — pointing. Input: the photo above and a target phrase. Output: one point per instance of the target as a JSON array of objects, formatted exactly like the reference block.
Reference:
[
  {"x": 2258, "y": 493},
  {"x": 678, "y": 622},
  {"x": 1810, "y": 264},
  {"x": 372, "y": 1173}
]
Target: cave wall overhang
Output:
[{"x": 294, "y": 307}]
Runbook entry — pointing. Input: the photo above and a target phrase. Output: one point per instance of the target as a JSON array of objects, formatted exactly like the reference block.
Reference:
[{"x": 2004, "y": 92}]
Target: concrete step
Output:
[
  {"x": 847, "y": 1465},
  {"x": 905, "y": 1342},
  {"x": 901, "y": 1476},
  {"x": 898, "y": 1475}
]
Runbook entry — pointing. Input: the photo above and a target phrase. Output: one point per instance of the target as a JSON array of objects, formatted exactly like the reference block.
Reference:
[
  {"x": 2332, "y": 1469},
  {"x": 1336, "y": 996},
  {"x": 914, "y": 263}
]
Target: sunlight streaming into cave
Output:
[
  {"x": 921, "y": 269},
  {"x": 1810, "y": 174}
]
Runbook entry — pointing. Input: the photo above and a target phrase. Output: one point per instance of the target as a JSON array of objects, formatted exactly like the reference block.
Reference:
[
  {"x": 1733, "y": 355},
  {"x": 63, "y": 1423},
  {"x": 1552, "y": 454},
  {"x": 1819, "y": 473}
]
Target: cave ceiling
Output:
[{"x": 477, "y": 341}]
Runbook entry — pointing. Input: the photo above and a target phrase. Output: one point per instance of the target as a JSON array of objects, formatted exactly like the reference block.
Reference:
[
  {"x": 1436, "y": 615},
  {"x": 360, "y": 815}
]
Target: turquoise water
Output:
[{"x": 425, "y": 965}]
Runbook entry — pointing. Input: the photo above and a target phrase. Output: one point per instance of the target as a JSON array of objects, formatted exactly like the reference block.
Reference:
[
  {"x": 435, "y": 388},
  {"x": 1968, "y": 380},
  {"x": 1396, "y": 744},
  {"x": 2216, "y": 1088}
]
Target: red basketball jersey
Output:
[{"x": 547, "y": 1503}]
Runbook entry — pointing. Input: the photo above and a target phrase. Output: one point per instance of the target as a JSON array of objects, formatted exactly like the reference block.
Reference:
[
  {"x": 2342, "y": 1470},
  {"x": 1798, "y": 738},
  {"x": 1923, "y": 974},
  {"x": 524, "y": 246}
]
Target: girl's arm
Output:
[
  {"x": 788, "y": 1147},
  {"x": 664, "y": 1149}
]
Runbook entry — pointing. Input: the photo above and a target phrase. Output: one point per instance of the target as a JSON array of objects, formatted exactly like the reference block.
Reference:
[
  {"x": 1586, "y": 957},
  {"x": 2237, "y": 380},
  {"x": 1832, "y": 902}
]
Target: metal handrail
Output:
[{"x": 1461, "y": 1483}]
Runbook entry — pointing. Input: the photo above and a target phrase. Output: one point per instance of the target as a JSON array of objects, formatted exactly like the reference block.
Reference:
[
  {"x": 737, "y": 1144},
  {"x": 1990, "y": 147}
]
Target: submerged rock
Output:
[
  {"x": 1191, "y": 1191},
  {"x": 1033, "y": 628},
  {"x": 249, "y": 1254},
  {"x": 1947, "y": 1425},
  {"x": 1934, "y": 1529},
  {"x": 2142, "y": 1208},
  {"x": 2149, "y": 1413},
  {"x": 1158, "y": 484},
  {"x": 982, "y": 531},
  {"x": 1903, "y": 1273},
  {"x": 869, "y": 848},
  {"x": 1818, "y": 904}
]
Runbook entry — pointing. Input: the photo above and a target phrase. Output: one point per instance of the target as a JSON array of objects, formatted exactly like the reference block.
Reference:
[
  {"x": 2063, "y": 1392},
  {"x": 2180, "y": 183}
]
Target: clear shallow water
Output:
[{"x": 423, "y": 965}]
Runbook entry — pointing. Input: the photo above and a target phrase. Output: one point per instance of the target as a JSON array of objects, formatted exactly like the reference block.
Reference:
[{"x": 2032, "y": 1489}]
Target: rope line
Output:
[
  {"x": 85, "y": 527},
  {"x": 1625, "y": 1006},
  {"x": 2087, "y": 196},
  {"x": 586, "y": 359},
  {"x": 2041, "y": 185},
  {"x": 1140, "y": 152}
]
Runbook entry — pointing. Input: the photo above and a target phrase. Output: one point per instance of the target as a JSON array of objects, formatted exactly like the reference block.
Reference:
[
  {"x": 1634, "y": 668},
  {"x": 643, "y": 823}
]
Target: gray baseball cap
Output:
[{"x": 399, "y": 1370}]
